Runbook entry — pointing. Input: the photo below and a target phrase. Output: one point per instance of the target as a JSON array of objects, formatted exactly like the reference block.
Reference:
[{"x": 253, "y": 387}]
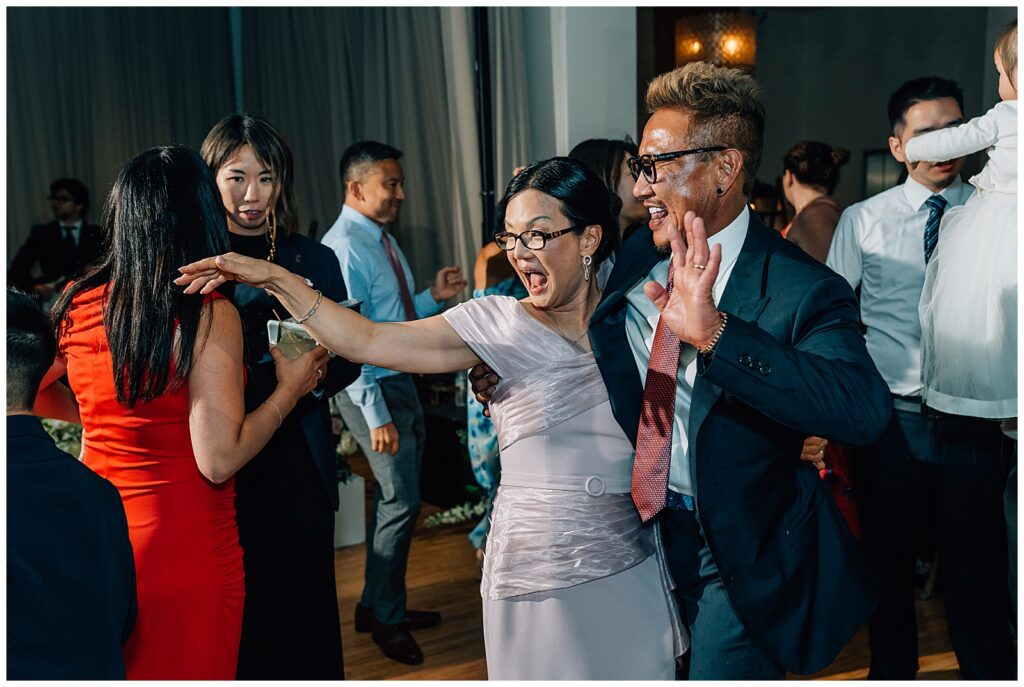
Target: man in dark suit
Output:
[
  {"x": 62, "y": 249},
  {"x": 70, "y": 571},
  {"x": 719, "y": 379}
]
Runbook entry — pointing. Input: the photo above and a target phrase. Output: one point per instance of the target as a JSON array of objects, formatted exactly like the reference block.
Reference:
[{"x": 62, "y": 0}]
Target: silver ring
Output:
[{"x": 698, "y": 267}]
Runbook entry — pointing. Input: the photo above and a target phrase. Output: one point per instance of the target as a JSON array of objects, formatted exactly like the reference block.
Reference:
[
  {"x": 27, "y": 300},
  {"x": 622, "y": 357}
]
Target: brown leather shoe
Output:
[{"x": 396, "y": 642}]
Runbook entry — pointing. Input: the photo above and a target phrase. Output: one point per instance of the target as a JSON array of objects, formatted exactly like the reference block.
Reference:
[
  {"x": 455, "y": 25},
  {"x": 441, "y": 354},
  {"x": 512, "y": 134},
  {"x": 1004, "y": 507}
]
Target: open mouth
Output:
[
  {"x": 657, "y": 214},
  {"x": 536, "y": 281}
]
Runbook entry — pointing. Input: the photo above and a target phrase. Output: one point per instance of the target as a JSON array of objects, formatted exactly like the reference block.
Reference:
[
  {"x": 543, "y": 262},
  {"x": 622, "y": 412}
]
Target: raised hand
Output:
[
  {"x": 448, "y": 282},
  {"x": 690, "y": 310},
  {"x": 205, "y": 275}
]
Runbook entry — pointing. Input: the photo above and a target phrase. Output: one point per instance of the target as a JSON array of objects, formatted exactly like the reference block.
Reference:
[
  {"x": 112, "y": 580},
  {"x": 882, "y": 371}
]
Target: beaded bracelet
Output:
[
  {"x": 319, "y": 297},
  {"x": 714, "y": 339}
]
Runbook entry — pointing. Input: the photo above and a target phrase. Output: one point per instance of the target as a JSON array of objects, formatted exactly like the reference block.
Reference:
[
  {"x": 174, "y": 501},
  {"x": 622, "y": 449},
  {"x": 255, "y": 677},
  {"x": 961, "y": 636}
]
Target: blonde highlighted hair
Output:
[
  {"x": 1006, "y": 47},
  {"x": 724, "y": 105}
]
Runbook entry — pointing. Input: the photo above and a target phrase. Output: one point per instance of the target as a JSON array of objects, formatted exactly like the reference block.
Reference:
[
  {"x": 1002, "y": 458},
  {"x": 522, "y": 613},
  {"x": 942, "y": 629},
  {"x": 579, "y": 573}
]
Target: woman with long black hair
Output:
[
  {"x": 287, "y": 495},
  {"x": 159, "y": 382}
]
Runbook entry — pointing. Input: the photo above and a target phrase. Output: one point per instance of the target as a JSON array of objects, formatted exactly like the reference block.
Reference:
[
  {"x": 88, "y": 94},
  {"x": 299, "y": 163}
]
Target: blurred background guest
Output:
[
  {"x": 809, "y": 177},
  {"x": 159, "y": 381},
  {"x": 287, "y": 494},
  {"x": 70, "y": 575},
  {"x": 607, "y": 159},
  {"x": 57, "y": 251}
]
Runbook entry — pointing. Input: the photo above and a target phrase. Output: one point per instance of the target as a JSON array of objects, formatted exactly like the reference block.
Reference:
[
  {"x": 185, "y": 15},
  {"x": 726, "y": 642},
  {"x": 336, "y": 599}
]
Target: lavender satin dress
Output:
[{"x": 574, "y": 587}]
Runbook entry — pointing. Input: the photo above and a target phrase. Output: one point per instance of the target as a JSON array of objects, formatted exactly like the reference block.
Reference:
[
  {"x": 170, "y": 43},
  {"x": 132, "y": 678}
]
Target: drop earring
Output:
[{"x": 587, "y": 260}]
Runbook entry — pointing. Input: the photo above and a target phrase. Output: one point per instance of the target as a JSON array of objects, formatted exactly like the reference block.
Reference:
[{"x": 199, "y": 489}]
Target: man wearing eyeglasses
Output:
[
  {"x": 59, "y": 250},
  {"x": 723, "y": 346}
]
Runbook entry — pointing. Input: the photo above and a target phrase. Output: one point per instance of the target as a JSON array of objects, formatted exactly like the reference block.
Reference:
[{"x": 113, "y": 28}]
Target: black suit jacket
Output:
[
  {"x": 310, "y": 421},
  {"x": 70, "y": 571},
  {"x": 791, "y": 363},
  {"x": 58, "y": 261}
]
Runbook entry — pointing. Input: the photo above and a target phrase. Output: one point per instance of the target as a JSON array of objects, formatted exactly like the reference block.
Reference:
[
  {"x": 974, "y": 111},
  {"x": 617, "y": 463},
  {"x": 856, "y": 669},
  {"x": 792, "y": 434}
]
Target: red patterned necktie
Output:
[
  {"x": 657, "y": 418},
  {"x": 403, "y": 286}
]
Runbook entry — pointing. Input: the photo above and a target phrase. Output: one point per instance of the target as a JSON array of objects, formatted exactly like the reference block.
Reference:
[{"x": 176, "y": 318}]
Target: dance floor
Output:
[{"x": 443, "y": 576}]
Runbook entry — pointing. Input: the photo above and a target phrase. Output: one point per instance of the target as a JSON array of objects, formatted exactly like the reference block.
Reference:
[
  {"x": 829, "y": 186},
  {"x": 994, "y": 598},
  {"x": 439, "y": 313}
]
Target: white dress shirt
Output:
[
  {"x": 879, "y": 246},
  {"x": 641, "y": 320}
]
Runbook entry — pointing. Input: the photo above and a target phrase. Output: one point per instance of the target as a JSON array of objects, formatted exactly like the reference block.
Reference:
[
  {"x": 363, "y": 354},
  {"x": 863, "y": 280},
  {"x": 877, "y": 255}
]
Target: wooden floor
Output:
[{"x": 443, "y": 576}]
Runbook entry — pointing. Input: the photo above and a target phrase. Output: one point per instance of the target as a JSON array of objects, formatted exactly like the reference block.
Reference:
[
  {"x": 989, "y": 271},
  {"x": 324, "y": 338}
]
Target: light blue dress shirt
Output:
[{"x": 356, "y": 240}]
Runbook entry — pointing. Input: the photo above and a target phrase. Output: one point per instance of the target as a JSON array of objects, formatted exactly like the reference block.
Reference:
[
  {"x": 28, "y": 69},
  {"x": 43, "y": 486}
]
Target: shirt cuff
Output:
[{"x": 376, "y": 414}]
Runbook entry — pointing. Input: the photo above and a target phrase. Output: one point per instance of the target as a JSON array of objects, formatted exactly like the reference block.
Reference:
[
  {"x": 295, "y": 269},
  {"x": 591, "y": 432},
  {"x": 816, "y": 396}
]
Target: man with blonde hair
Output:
[{"x": 723, "y": 346}]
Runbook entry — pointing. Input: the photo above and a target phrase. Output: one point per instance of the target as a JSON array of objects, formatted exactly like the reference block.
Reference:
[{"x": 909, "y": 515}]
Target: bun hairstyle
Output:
[
  {"x": 583, "y": 196},
  {"x": 816, "y": 164}
]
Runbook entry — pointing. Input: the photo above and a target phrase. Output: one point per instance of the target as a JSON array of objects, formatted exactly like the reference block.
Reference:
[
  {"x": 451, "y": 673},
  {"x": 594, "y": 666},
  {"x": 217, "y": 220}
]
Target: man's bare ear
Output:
[
  {"x": 730, "y": 168},
  {"x": 896, "y": 148},
  {"x": 354, "y": 189}
]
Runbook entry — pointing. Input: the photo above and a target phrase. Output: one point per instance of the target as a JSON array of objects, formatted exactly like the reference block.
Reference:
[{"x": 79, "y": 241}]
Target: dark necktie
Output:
[
  {"x": 657, "y": 418},
  {"x": 936, "y": 206},
  {"x": 69, "y": 236},
  {"x": 403, "y": 286}
]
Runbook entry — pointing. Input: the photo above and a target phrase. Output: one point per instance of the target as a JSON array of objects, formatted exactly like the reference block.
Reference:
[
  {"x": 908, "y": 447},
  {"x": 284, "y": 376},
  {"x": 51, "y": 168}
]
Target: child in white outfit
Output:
[{"x": 969, "y": 302}]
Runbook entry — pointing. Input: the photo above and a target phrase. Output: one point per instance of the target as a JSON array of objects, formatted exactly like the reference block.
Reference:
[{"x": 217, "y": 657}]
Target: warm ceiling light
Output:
[{"x": 726, "y": 38}]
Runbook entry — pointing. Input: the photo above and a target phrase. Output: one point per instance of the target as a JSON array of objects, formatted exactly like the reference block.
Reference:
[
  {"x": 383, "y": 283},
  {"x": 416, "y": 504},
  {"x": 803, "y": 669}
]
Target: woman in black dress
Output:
[{"x": 288, "y": 493}]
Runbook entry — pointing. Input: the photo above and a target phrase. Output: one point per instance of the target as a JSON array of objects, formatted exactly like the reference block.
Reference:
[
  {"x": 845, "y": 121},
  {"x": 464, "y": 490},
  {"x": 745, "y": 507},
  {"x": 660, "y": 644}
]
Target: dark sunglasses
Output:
[
  {"x": 645, "y": 163},
  {"x": 532, "y": 239}
]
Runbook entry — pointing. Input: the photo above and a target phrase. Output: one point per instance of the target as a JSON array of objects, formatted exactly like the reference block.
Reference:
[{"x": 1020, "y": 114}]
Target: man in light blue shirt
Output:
[{"x": 381, "y": 407}]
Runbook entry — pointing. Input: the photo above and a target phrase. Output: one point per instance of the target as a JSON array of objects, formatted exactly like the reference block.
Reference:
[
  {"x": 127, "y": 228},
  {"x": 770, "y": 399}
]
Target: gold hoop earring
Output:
[{"x": 587, "y": 260}]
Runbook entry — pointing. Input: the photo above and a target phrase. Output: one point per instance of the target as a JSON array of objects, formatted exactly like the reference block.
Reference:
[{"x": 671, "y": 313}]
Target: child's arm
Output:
[{"x": 946, "y": 144}]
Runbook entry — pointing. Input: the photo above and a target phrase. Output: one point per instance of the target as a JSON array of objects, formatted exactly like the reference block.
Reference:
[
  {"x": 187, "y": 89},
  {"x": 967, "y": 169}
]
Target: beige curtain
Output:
[
  {"x": 509, "y": 95},
  {"x": 88, "y": 88},
  {"x": 327, "y": 77}
]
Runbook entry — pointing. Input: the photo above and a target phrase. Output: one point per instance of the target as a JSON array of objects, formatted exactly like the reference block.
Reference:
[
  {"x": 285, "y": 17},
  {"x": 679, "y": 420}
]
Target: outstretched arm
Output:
[
  {"x": 946, "y": 144},
  {"x": 425, "y": 346}
]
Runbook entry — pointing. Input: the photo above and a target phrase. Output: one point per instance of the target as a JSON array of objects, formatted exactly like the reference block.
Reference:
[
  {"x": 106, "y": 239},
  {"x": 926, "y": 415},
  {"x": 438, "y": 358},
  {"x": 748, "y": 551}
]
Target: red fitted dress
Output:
[{"x": 182, "y": 527}]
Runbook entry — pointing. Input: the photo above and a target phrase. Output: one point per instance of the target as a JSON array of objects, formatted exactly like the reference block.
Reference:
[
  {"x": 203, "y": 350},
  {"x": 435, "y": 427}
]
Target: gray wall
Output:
[
  {"x": 581, "y": 74},
  {"x": 828, "y": 73}
]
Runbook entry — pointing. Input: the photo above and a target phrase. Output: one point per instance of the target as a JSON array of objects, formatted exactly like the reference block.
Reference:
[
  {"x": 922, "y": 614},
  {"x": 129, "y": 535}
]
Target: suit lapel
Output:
[
  {"x": 744, "y": 297},
  {"x": 608, "y": 330}
]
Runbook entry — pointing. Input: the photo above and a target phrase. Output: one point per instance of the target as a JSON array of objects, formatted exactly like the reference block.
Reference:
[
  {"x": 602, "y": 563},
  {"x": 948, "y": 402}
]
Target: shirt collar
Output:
[
  {"x": 76, "y": 226},
  {"x": 357, "y": 218},
  {"x": 732, "y": 237},
  {"x": 916, "y": 194}
]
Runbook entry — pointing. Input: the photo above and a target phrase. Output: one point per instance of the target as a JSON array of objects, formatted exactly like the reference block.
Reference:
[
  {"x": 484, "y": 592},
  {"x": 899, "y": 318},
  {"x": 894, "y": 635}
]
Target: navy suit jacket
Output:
[
  {"x": 56, "y": 259},
  {"x": 70, "y": 571},
  {"x": 319, "y": 264},
  {"x": 791, "y": 363}
]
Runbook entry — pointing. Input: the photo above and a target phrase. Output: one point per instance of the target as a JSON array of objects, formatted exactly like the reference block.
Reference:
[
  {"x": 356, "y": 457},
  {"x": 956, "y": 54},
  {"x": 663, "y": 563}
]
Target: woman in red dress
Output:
[{"x": 159, "y": 384}]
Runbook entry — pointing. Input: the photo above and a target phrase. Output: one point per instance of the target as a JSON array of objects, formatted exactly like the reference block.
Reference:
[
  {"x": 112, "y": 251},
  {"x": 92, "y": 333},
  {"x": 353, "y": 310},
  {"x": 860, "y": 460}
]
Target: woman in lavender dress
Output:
[{"x": 574, "y": 586}]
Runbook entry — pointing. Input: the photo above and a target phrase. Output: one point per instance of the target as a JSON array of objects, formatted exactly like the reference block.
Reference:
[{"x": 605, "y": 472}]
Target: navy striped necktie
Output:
[{"x": 936, "y": 206}]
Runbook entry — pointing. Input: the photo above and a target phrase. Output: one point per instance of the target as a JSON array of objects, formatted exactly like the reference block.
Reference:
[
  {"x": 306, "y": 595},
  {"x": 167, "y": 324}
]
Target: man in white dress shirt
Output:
[
  {"x": 881, "y": 245},
  {"x": 381, "y": 407}
]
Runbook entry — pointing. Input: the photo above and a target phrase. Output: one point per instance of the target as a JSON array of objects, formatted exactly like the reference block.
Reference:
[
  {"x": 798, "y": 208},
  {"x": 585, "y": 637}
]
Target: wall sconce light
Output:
[{"x": 725, "y": 38}]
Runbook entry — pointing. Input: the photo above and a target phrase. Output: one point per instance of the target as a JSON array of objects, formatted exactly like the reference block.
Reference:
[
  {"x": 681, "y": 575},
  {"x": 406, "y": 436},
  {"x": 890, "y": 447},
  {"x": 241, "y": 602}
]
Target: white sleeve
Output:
[
  {"x": 491, "y": 328},
  {"x": 844, "y": 255},
  {"x": 946, "y": 144}
]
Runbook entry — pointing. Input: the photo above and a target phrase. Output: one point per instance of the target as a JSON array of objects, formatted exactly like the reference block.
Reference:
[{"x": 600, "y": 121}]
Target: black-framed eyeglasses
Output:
[
  {"x": 532, "y": 239},
  {"x": 645, "y": 163}
]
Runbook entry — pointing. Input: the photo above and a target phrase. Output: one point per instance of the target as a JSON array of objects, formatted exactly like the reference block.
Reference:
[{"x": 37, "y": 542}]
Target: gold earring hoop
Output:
[{"x": 272, "y": 235}]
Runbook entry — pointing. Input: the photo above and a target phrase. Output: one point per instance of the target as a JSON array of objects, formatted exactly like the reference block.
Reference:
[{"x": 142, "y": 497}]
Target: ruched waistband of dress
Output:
[{"x": 595, "y": 485}]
